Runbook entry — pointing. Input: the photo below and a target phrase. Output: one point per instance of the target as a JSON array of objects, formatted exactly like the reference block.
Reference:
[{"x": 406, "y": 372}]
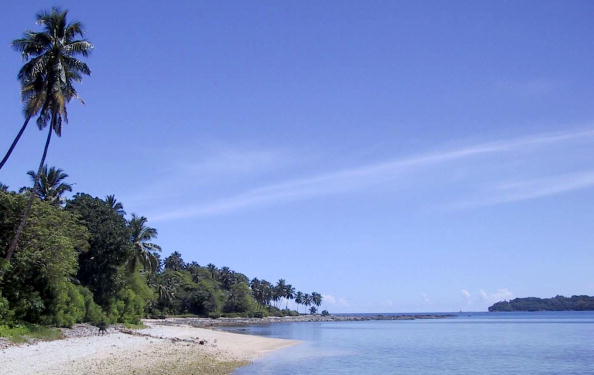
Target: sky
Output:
[{"x": 394, "y": 156}]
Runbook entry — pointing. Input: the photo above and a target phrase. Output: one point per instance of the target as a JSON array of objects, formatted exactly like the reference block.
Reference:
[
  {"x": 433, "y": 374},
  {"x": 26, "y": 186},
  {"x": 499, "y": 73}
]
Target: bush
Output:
[
  {"x": 325, "y": 313},
  {"x": 6, "y": 314}
]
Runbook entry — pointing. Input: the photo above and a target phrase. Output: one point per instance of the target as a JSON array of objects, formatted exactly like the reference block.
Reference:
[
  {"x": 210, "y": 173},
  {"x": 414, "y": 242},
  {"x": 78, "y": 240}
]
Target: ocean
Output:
[{"x": 469, "y": 343}]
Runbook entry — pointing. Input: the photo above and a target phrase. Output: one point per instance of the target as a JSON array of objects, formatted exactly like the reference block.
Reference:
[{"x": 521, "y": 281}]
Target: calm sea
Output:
[{"x": 470, "y": 343}]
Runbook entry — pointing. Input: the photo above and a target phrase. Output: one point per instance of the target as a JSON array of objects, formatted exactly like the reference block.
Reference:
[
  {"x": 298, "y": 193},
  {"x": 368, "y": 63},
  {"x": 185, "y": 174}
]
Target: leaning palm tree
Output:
[
  {"x": 51, "y": 68},
  {"x": 144, "y": 251},
  {"x": 115, "y": 205},
  {"x": 51, "y": 185},
  {"x": 47, "y": 82}
]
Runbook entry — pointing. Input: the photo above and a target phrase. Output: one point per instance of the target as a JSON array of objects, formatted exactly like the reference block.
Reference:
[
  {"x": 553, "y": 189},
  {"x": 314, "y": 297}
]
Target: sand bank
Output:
[{"x": 158, "y": 349}]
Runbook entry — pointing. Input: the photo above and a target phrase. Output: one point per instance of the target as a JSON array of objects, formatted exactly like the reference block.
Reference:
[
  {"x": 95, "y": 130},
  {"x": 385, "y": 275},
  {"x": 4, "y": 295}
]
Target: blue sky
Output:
[{"x": 395, "y": 156}]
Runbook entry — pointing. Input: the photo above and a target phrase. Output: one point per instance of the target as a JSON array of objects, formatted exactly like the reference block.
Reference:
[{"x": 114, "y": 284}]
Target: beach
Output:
[{"x": 158, "y": 349}]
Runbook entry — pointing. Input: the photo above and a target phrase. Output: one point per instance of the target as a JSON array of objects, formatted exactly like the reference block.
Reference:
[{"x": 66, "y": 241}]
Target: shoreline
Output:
[
  {"x": 230, "y": 322},
  {"x": 159, "y": 349},
  {"x": 172, "y": 346}
]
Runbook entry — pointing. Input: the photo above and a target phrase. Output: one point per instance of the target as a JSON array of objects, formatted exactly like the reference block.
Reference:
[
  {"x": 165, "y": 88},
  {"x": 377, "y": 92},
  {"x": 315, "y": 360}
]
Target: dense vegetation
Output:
[
  {"x": 558, "y": 303},
  {"x": 81, "y": 260}
]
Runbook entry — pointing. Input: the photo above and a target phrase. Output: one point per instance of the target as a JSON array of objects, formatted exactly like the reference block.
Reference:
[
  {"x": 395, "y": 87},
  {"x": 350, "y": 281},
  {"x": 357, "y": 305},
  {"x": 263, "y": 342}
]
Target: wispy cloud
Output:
[
  {"x": 499, "y": 295},
  {"x": 529, "y": 88},
  {"x": 358, "y": 178},
  {"x": 333, "y": 300},
  {"x": 531, "y": 189}
]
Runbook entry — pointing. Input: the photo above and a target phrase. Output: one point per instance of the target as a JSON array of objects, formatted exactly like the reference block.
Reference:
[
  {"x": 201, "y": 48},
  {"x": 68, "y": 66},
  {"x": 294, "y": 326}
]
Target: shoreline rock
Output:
[{"x": 230, "y": 322}]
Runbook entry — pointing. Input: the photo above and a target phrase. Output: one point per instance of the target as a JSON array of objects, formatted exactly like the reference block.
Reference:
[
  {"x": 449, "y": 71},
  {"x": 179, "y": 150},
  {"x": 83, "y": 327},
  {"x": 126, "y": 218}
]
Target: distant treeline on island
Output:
[{"x": 558, "y": 303}]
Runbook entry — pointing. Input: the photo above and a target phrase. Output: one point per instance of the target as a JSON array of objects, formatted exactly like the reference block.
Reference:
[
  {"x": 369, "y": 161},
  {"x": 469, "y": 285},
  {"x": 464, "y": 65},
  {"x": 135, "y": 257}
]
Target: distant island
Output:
[{"x": 558, "y": 303}]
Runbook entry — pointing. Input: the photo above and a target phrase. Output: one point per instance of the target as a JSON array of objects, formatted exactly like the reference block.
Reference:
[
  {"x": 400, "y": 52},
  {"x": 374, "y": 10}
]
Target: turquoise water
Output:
[{"x": 475, "y": 343}]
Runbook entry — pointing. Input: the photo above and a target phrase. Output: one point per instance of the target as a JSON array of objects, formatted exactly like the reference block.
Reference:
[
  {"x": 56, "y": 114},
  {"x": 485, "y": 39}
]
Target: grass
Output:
[
  {"x": 135, "y": 326},
  {"x": 22, "y": 333}
]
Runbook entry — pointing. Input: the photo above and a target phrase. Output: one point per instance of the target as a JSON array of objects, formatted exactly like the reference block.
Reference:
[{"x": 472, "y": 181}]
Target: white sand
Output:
[{"x": 120, "y": 353}]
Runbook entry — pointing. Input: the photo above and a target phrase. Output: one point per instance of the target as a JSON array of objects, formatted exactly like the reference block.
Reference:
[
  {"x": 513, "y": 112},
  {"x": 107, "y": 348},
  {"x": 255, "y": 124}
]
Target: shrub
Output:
[{"x": 6, "y": 314}]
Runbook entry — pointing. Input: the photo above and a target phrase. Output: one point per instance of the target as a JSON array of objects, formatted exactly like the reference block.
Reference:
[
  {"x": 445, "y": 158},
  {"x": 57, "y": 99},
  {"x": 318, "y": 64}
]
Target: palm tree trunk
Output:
[
  {"x": 14, "y": 143},
  {"x": 27, "y": 211}
]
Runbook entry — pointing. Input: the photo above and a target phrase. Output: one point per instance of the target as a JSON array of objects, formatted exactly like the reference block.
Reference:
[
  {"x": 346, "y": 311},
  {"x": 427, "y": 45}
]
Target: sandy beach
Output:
[{"x": 158, "y": 349}]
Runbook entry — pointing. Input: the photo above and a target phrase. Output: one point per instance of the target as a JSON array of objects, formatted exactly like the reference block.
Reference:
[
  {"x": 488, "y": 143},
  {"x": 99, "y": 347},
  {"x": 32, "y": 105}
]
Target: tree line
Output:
[
  {"x": 557, "y": 303},
  {"x": 82, "y": 259}
]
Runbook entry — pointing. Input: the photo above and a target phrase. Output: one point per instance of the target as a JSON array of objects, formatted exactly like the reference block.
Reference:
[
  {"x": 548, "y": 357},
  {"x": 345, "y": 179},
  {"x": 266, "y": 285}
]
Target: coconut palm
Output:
[
  {"x": 299, "y": 299},
  {"x": 307, "y": 300},
  {"x": 115, "y": 205},
  {"x": 279, "y": 291},
  {"x": 213, "y": 270},
  {"x": 289, "y": 294},
  {"x": 316, "y": 298},
  {"x": 50, "y": 185},
  {"x": 51, "y": 69},
  {"x": 144, "y": 251},
  {"x": 47, "y": 82}
]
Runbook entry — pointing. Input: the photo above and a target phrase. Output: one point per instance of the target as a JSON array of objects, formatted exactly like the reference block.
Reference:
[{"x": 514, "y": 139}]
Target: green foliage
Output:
[
  {"x": 73, "y": 265},
  {"x": 558, "y": 303},
  {"x": 6, "y": 314},
  {"x": 240, "y": 299},
  {"x": 21, "y": 333},
  {"x": 110, "y": 247},
  {"x": 38, "y": 284},
  {"x": 325, "y": 313}
]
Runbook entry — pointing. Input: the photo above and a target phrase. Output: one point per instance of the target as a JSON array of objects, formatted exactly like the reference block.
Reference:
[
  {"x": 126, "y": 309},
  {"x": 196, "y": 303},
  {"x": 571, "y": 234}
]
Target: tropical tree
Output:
[
  {"x": 213, "y": 270},
  {"x": 316, "y": 298},
  {"x": 144, "y": 250},
  {"x": 115, "y": 205},
  {"x": 279, "y": 290},
  {"x": 47, "y": 83},
  {"x": 313, "y": 310},
  {"x": 50, "y": 185},
  {"x": 289, "y": 294},
  {"x": 174, "y": 262},
  {"x": 3, "y": 187},
  {"x": 299, "y": 298},
  {"x": 307, "y": 300}
]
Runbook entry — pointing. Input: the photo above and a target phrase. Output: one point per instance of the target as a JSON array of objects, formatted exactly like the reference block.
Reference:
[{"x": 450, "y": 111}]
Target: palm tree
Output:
[
  {"x": 307, "y": 300},
  {"x": 299, "y": 299},
  {"x": 316, "y": 298},
  {"x": 289, "y": 294},
  {"x": 279, "y": 291},
  {"x": 115, "y": 205},
  {"x": 52, "y": 67},
  {"x": 50, "y": 185},
  {"x": 213, "y": 270},
  {"x": 47, "y": 83},
  {"x": 144, "y": 251}
]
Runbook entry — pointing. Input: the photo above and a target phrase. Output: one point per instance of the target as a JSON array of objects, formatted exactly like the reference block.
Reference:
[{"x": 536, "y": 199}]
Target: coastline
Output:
[
  {"x": 159, "y": 349},
  {"x": 172, "y": 346},
  {"x": 229, "y": 322}
]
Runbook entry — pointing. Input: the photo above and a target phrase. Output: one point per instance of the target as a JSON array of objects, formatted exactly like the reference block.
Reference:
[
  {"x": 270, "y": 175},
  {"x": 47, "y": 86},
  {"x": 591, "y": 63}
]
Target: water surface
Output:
[{"x": 469, "y": 343}]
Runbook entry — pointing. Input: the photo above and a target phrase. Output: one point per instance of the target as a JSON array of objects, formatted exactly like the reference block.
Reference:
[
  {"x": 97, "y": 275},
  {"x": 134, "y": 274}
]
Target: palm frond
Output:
[{"x": 78, "y": 47}]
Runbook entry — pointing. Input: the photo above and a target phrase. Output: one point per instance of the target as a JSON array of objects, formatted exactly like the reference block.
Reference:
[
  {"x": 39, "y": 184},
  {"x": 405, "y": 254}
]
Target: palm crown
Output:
[
  {"x": 144, "y": 251},
  {"x": 52, "y": 67},
  {"x": 50, "y": 186}
]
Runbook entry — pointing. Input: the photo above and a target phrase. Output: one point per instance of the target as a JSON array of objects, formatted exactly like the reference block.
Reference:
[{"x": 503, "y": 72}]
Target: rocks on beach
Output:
[{"x": 226, "y": 322}]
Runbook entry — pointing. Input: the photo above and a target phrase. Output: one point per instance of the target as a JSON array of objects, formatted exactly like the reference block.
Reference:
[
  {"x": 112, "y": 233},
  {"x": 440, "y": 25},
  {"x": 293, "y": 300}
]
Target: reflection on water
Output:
[{"x": 470, "y": 343}]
